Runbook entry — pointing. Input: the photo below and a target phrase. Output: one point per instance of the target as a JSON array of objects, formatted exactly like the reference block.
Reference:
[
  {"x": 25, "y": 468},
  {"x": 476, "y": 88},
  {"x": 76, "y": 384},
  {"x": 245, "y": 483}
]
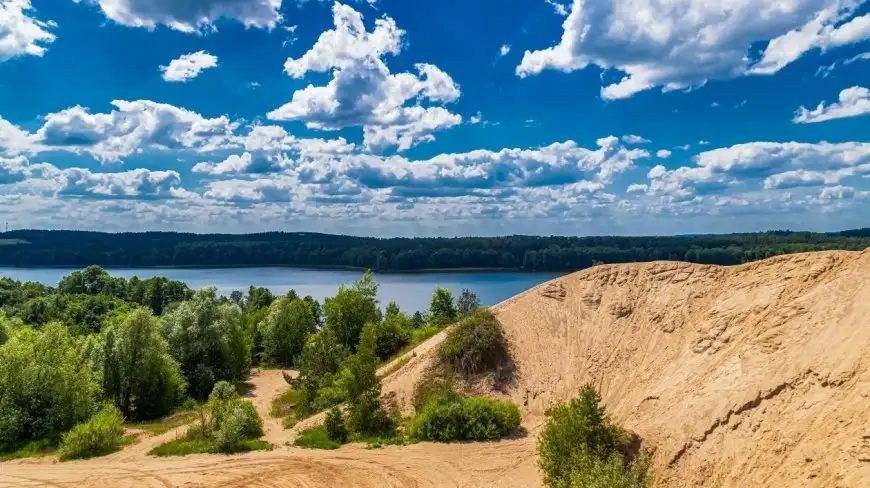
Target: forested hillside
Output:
[{"x": 530, "y": 253}]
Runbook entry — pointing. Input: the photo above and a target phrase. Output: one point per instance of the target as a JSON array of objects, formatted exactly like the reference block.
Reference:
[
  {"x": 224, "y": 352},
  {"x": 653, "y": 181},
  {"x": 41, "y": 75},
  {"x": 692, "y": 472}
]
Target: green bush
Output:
[
  {"x": 46, "y": 386},
  {"x": 431, "y": 387},
  {"x": 442, "y": 311},
  {"x": 240, "y": 423},
  {"x": 580, "y": 446},
  {"x": 231, "y": 420},
  {"x": 228, "y": 425},
  {"x": 285, "y": 329},
  {"x": 139, "y": 373},
  {"x": 362, "y": 387},
  {"x": 418, "y": 336},
  {"x": 335, "y": 428},
  {"x": 476, "y": 344},
  {"x": 452, "y": 417},
  {"x": 100, "y": 435},
  {"x": 316, "y": 438},
  {"x": 393, "y": 333}
]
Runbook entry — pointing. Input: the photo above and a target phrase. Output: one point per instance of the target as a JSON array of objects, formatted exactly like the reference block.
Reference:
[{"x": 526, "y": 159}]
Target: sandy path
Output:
[
  {"x": 266, "y": 384},
  {"x": 507, "y": 463}
]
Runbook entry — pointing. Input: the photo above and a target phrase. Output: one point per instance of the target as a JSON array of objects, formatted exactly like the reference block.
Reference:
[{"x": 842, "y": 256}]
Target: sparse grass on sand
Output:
[
  {"x": 316, "y": 438},
  {"x": 185, "y": 446},
  {"x": 164, "y": 425},
  {"x": 284, "y": 407},
  {"x": 38, "y": 448},
  {"x": 398, "y": 364}
]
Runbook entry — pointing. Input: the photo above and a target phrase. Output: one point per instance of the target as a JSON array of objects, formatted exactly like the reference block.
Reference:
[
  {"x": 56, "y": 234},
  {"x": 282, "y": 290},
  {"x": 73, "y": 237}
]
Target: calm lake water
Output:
[{"x": 411, "y": 291}]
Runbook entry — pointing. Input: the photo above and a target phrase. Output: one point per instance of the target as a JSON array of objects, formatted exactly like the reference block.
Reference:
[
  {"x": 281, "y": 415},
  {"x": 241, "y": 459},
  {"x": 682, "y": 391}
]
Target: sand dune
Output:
[{"x": 756, "y": 375}]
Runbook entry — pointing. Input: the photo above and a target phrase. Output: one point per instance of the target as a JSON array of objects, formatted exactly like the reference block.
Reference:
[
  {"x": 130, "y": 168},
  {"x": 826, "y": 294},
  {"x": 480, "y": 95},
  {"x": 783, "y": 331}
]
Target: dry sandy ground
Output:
[{"x": 754, "y": 375}]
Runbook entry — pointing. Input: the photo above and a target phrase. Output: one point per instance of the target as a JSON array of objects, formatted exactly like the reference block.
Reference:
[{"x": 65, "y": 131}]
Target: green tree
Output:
[
  {"x": 392, "y": 309},
  {"x": 362, "y": 387},
  {"x": 285, "y": 330},
  {"x": 467, "y": 302},
  {"x": 441, "y": 309},
  {"x": 321, "y": 359},
  {"x": 92, "y": 280},
  {"x": 259, "y": 297},
  {"x": 580, "y": 446},
  {"x": 208, "y": 341},
  {"x": 316, "y": 310},
  {"x": 46, "y": 385},
  {"x": 418, "y": 320},
  {"x": 139, "y": 373},
  {"x": 350, "y": 309},
  {"x": 393, "y": 333}
]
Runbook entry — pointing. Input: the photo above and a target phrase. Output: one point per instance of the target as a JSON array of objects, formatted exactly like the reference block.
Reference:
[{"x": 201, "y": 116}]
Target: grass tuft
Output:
[
  {"x": 316, "y": 438},
  {"x": 37, "y": 448},
  {"x": 185, "y": 446}
]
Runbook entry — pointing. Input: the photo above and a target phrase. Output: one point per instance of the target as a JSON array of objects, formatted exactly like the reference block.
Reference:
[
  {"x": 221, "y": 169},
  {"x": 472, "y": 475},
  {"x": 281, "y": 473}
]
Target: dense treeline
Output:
[
  {"x": 74, "y": 248},
  {"x": 78, "y": 359}
]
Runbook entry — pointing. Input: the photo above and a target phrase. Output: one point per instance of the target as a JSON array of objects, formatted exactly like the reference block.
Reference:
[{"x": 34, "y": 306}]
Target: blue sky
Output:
[{"x": 435, "y": 117}]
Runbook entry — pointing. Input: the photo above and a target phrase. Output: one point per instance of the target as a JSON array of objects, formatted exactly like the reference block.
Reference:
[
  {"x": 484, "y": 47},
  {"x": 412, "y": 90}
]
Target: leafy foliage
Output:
[
  {"x": 530, "y": 253},
  {"x": 441, "y": 308},
  {"x": 208, "y": 341},
  {"x": 362, "y": 388},
  {"x": 336, "y": 430},
  {"x": 581, "y": 446},
  {"x": 350, "y": 309},
  {"x": 285, "y": 330},
  {"x": 451, "y": 417},
  {"x": 228, "y": 424},
  {"x": 320, "y": 361},
  {"x": 316, "y": 438},
  {"x": 392, "y": 334},
  {"x": 476, "y": 344},
  {"x": 102, "y": 434},
  {"x": 467, "y": 302},
  {"x": 139, "y": 373},
  {"x": 46, "y": 385}
]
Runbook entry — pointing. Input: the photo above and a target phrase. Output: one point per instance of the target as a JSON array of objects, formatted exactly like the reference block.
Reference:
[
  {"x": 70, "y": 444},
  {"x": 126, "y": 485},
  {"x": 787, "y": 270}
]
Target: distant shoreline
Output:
[{"x": 311, "y": 268}]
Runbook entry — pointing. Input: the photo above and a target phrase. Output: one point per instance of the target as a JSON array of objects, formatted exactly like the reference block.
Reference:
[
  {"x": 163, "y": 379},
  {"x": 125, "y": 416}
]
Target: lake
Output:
[{"x": 411, "y": 291}]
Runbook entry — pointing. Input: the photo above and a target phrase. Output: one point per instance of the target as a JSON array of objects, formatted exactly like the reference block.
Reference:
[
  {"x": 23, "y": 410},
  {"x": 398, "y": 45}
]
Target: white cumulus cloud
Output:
[
  {"x": 132, "y": 127},
  {"x": 663, "y": 154},
  {"x": 681, "y": 44},
  {"x": 558, "y": 7},
  {"x": 188, "y": 66},
  {"x": 21, "y": 34},
  {"x": 190, "y": 15},
  {"x": 504, "y": 50},
  {"x": 853, "y": 102},
  {"x": 363, "y": 92},
  {"x": 634, "y": 139}
]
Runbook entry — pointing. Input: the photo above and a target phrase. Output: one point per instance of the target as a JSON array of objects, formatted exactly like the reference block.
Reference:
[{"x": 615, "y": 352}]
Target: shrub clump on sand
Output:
[
  {"x": 335, "y": 428},
  {"x": 475, "y": 345},
  {"x": 450, "y": 417},
  {"x": 102, "y": 434},
  {"x": 228, "y": 424},
  {"x": 581, "y": 447}
]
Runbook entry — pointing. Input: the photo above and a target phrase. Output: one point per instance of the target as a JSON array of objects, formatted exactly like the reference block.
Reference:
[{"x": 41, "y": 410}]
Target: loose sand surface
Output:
[{"x": 753, "y": 375}]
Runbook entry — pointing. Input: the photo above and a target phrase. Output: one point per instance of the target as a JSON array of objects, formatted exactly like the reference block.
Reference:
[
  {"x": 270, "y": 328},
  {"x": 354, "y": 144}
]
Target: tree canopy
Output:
[{"x": 529, "y": 253}]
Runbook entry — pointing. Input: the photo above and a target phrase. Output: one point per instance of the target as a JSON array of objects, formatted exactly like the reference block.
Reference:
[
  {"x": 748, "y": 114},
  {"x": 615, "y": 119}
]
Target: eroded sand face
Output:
[{"x": 755, "y": 375}]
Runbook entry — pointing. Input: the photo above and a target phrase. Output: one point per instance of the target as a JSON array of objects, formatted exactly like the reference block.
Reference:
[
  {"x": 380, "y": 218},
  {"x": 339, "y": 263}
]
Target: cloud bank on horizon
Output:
[{"x": 409, "y": 118}]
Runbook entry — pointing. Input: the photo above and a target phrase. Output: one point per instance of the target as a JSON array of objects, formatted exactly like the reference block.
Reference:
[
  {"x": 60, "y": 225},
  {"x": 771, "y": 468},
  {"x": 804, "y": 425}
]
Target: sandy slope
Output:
[
  {"x": 745, "y": 376},
  {"x": 757, "y": 375}
]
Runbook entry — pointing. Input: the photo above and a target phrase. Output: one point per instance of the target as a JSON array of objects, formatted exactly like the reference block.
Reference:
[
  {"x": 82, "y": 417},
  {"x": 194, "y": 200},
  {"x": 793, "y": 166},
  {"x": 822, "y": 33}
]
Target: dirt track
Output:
[{"x": 755, "y": 375}]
